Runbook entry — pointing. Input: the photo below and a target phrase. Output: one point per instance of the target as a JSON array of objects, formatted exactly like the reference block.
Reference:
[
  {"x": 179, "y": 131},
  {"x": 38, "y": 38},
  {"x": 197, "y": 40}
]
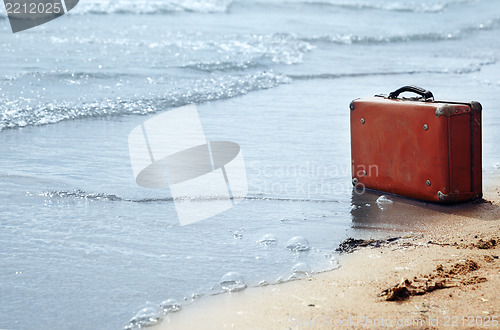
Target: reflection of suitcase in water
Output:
[{"x": 418, "y": 147}]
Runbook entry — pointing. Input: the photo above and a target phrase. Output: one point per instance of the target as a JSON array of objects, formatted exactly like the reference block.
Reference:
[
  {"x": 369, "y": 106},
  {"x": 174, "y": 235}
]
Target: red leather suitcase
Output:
[{"x": 417, "y": 147}]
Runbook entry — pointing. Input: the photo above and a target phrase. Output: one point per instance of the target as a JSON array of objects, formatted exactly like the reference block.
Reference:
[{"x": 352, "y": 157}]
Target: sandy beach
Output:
[{"x": 445, "y": 276}]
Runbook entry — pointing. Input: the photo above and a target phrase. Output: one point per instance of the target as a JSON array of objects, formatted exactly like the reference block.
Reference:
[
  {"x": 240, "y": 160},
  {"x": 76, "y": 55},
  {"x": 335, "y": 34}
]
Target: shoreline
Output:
[{"x": 445, "y": 275}]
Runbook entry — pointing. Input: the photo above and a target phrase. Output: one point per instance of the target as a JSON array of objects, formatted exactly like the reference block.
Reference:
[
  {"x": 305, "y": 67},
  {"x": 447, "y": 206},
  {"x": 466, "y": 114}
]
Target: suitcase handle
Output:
[{"x": 417, "y": 90}]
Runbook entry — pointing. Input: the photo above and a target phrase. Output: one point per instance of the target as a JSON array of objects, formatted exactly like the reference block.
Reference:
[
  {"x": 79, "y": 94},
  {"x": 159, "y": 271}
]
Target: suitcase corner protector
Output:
[
  {"x": 443, "y": 197},
  {"x": 449, "y": 198},
  {"x": 454, "y": 197},
  {"x": 476, "y": 106}
]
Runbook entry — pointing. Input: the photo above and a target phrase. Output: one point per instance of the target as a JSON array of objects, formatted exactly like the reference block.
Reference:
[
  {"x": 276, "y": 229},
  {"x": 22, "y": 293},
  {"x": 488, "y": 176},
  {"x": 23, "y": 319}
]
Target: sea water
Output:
[{"x": 83, "y": 247}]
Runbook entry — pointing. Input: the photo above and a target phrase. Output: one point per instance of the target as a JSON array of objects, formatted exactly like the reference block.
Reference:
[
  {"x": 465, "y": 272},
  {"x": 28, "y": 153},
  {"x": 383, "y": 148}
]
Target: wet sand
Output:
[{"x": 447, "y": 275}]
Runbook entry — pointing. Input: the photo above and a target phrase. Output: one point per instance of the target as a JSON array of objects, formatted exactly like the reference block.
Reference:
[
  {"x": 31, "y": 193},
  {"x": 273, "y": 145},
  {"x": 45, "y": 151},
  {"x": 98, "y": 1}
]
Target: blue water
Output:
[{"x": 82, "y": 246}]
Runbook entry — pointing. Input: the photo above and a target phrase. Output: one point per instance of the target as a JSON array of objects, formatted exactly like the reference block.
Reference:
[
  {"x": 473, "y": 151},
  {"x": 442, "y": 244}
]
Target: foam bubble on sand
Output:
[
  {"x": 297, "y": 243},
  {"x": 268, "y": 240},
  {"x": 334, "y": 260},
  {"x": 146, "y": 317},
  {"x": 383, "y": 202},
  {"x": 232, "y": 281},
  {"x": 170, "y": 306},
  {"x": 301, "y": 270}
]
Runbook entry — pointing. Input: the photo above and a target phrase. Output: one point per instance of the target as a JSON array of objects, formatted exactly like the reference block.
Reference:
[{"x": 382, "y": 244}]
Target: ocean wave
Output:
[
  {"x": 348, "y": 39},
  {"x": 349, "y": 75},
  {"x": 78, "y": 194},
  {"x": 151, "y": 7},
  {"x": 222, "y": 6},
  {"x": 22, "y": 112},
  {"x": 245, "y": 49},
  {"x": 289, "y": 199},
  {"x": 68, "y": 76},
  {"x": 223, "y": 66},
  {"x": 399, "y": 6},
  {"x": 242, "y": 51},
  {"x": 470, "y": 68},
  {"x": 161, "y": 7},
  {"x": 81, "y": 194}
]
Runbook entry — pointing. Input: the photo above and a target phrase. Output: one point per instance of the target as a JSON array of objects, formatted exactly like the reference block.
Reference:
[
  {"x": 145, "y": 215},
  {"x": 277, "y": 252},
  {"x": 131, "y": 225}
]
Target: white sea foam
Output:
[
  {"x": 398, "y": 6},
  {"x": 155, "y": 7},
  {"x": 31, "y": 112}
]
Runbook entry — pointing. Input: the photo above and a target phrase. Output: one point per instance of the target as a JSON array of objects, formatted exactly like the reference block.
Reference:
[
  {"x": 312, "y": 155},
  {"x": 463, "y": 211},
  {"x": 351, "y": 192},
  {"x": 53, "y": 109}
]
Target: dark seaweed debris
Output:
[
  {"x": 352, "y": 244},
  {"x": 488, "y": 244}
]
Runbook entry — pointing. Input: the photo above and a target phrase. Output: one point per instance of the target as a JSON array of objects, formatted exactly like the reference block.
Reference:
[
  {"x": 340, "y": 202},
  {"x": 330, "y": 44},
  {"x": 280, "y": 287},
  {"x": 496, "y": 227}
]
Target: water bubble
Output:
[
  {"x": 384, "y": 199},
  {"x": 195, "y": 296},
  {"x": 297, "y": 243},
  {"x": 335, "y": 262},
  {"x": 301, "y": 270},
  {"x": 383, "y": 202},
  {"x": 263, "y": 283},
  {"x": 232, "y": 282},
  {"x": 146, "y": 317},
  {"x": 170, "y": 306},
  {"x": 268, "y": 240}
]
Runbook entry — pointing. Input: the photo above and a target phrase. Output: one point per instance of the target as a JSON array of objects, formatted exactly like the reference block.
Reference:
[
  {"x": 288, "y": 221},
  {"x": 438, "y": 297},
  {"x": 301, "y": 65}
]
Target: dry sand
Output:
[{"x": 447, "y": 276}]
